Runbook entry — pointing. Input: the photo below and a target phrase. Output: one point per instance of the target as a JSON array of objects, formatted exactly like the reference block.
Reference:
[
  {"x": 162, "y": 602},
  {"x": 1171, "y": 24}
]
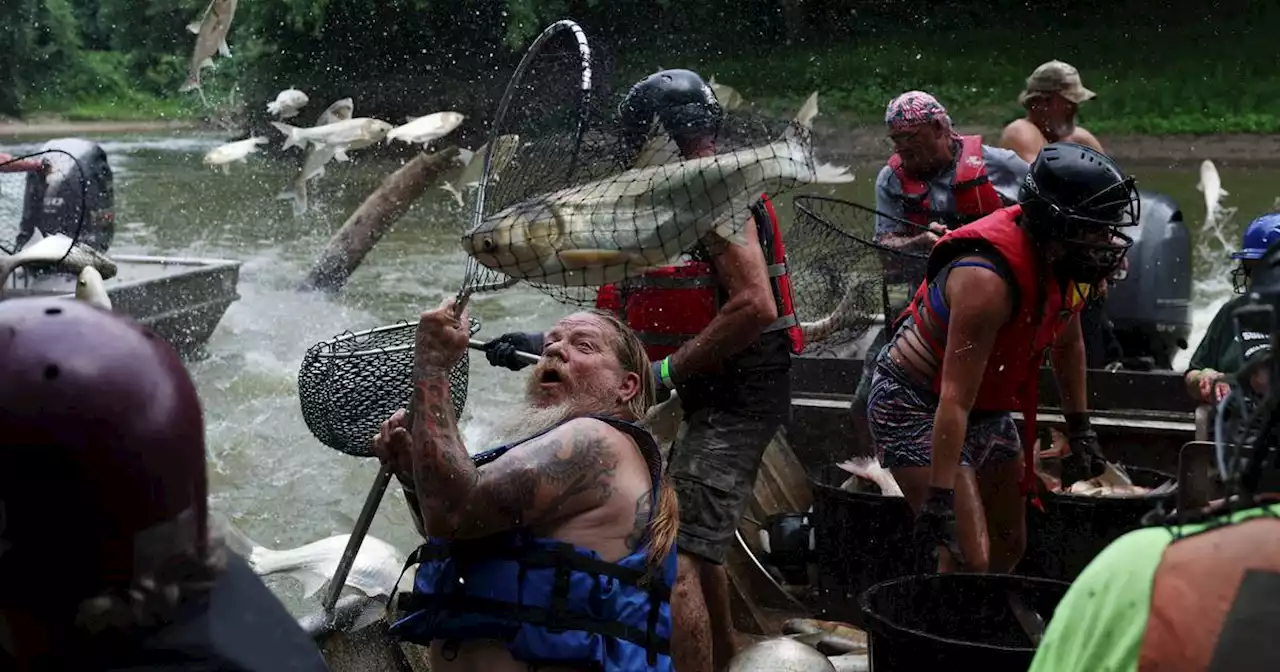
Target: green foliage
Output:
[{"x": 1170, "y": 73}]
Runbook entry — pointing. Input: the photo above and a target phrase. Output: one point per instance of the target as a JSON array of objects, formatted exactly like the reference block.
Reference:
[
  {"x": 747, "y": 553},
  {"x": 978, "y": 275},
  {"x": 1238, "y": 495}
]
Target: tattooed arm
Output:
[{"x": 564, "y": 472}]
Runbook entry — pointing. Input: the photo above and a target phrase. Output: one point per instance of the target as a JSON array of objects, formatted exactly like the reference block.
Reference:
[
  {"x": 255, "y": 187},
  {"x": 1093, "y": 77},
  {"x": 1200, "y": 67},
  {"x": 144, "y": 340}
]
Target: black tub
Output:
[
  {"x": 954, "y": 621},
  {"x": 1075, "y": 528},
  {"x": 859, "y": 540}
]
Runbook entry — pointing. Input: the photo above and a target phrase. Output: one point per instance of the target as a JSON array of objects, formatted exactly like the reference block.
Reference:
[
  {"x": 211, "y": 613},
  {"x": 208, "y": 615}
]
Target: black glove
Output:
[
  {"x": 1086, "y": 459},
  {"x": 502, "y": 351},
  {"x": 936, "y": 526}
]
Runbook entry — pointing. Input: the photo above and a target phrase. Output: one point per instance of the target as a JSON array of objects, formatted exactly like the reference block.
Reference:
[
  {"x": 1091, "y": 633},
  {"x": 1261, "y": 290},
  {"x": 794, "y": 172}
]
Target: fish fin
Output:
[
  {"x": 1223, "y": 192},
  {"x": 206, "y": 63},
  {"x": 408, "y": 118},
  {"x": 194, "y": 27},
  {"x": 453, "y": 191},
  {"x": 465, "y": 156},
  {"x": 826, "y": 173},
  {"x": 341, "y": 155},
  {"x": 193, "y": 82},
  {"x": 292, "y": 137},
  {"x": 311, "y": 581},
  {"x": 273, "y": 107},
  {"x": 808, "y": 111},
  {"x": 223, "y": 48},
  {"x": 1200, "y": 186},
  {"x": 226, "y": 169},
  {"x": 580, "y": 259}
]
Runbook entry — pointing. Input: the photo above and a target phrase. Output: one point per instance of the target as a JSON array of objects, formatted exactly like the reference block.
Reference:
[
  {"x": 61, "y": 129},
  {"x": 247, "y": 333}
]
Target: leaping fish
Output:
[
  {"x": 375, "y": 572},
  {"x": 504, "y": 150},
  {"x": 317, "y": 156},
  {"x": 211, "y": 38},
  {"x": 606, "y": 230},
  {"x": 1211, "y": 186},
  {"x": 59, "y": 249}
]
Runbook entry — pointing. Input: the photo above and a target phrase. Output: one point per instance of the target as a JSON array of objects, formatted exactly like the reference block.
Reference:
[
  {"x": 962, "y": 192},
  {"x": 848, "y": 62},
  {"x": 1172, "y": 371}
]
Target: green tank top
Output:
[{"x": 1099, "y": 625}]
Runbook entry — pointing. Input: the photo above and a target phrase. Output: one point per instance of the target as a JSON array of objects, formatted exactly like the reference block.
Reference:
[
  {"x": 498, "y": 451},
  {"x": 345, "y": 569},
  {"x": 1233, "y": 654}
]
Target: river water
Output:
[{"x": 268, "y": 475}]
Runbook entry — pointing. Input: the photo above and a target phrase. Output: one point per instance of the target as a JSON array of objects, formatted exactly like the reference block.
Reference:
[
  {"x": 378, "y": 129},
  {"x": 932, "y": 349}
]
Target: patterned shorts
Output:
[{"x": 900, "y": 414}]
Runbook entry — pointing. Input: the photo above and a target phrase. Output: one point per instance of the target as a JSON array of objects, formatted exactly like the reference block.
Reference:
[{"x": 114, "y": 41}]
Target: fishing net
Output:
[
  {"x": 350, "y": 384},
  {"x": 843, "y": 282},
  {"x": 54, "y": 200},
  {"x": 587, "y": 200}
]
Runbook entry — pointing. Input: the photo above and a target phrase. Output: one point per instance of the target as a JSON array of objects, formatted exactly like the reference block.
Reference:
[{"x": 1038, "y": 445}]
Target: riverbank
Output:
[{"x": 852, "y": 144}]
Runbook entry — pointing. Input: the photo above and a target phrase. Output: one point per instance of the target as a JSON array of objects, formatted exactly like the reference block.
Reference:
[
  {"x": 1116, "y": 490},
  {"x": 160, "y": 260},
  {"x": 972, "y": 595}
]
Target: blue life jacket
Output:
[{"x": 550, "y": 602}]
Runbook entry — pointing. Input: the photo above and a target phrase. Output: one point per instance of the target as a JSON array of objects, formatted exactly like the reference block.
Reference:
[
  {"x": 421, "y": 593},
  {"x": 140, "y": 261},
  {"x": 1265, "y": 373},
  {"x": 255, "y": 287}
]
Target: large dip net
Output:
[
  {"x": 588, "y": 200},
  {"x": 350, "y": 384},
  {"x": 843, "y": 281}
]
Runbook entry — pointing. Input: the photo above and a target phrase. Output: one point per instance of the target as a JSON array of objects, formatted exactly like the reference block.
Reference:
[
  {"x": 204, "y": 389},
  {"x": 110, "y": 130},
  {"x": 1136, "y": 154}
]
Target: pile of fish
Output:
[
  {"x": 57, "y": 250},
  {"x": 1114, "y": 481},
  {"x": 869, "y": 477}
]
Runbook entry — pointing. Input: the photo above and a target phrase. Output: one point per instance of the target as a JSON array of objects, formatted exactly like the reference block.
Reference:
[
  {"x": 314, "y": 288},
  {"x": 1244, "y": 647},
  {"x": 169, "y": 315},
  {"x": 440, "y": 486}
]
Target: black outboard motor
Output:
[
  {"x": 1151, "y": 308},
  {"x": 53, "y": 201}
]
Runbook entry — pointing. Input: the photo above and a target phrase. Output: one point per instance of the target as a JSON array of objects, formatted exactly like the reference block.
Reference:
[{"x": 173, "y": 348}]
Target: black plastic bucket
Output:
[
  {"x": 860, "y": 539},
  {"x": 1073, "y": 529},
  {"x": 954, "y": 621}
]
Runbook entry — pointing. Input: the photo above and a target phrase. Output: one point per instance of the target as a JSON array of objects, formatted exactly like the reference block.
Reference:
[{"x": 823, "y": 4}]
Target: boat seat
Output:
[{"x": 1165, "y": 423}]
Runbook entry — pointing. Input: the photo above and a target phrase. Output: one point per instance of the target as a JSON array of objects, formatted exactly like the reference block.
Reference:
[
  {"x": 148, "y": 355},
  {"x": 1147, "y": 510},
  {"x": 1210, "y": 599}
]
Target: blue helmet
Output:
[{"x": 1260, "y": 235}]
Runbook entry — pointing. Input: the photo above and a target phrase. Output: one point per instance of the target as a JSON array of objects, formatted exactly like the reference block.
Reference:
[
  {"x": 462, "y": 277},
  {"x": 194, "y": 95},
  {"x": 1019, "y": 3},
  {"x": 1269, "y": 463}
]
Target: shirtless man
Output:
[
  {"x": 1052, "y": 97},
  {"x": 557, "y": 549}
]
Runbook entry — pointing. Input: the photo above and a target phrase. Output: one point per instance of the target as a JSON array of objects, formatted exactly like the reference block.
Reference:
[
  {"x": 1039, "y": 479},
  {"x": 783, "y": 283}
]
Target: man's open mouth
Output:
[{"x": 550, "y": 376}]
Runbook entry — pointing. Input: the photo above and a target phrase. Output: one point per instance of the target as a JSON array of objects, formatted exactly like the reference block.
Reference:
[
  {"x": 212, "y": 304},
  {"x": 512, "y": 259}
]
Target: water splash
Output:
[{"x": 1213, "y": 253}]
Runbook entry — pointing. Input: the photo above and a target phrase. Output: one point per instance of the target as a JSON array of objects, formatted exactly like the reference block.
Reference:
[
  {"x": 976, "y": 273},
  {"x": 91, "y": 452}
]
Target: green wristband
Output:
[{"x": 665, "y": 369}]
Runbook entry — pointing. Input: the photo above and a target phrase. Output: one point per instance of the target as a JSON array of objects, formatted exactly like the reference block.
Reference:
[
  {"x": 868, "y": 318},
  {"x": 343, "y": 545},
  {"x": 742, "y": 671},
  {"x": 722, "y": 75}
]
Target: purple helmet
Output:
[{"x": 102, "y": 466}]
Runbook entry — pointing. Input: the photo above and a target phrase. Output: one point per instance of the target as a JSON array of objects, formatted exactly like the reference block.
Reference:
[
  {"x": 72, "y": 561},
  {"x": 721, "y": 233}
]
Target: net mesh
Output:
[
  {"x": 350, "y": 384},
  {"x": 840, "y": 278},
  {"x": 27, "y": 180},
  {"x": 580, "y": 204}
]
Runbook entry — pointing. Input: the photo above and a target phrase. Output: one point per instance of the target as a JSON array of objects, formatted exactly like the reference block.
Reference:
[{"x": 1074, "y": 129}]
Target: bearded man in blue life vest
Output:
[
  {"x": 554, "y": 550},
  {"x": 720, "y": 331},
  {"x": 998, "y": 294},
  {"x": 106, "y": 557}
]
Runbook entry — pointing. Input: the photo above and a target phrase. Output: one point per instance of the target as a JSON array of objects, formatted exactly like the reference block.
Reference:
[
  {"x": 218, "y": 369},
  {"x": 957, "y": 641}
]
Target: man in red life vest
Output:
[
  {"x": 936, "y": 179},
  {"x": 720, "y": 329},
  {"x": 967, "y": 351}
]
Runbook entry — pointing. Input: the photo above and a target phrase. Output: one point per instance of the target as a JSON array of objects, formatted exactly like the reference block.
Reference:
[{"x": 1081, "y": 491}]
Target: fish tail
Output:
[
  {"x": 193, "y": 82},
  {"x": 292, "y": 137},
  {"x": 298, "y": 195},
  {"x": 826, "y": 173},
  {"x": 273, "y": 108}
]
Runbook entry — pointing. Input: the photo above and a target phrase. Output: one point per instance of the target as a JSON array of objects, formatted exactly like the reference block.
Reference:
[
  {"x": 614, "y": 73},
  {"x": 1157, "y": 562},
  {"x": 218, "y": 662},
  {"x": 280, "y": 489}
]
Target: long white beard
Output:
[{"x": 529, "y": 420}]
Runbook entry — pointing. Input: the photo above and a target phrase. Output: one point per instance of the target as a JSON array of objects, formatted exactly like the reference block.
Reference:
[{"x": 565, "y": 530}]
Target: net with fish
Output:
[
  {"x": 350, "y": 384},
  {"x": 842, "y": 281},
  {"x": 585, "y": 201},
  {"x": 24, "y": 196}
]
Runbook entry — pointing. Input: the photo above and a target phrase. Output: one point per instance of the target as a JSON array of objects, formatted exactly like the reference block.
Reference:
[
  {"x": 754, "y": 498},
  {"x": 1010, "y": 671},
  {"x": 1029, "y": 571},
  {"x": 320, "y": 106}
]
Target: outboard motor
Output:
[
  {"x": 1151, "y": 308},
  {"x": 53, "y": 202}
]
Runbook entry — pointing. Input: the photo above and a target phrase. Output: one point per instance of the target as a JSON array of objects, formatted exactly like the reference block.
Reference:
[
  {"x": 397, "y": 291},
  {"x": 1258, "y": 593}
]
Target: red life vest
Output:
[
  {"x": 975, "y": 197},
  {"x": 668, "y": 306},
  {"x": 1011, "y": 381}
]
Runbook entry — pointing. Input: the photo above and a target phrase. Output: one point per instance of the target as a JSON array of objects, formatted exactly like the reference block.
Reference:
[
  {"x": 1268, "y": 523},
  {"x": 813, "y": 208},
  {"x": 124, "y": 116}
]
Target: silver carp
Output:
[
  {"x": 421, "y": 130},
  {"x": 317, "y": 157},
  {"x": 211, "y": 38},
  {"x": 90, "y": 288},
  {"x": 345, "y": 134},
  {"x": 54, "y": 250},
  {"x": 287, "y": 103},
  {"x": 606, "y": 230}
]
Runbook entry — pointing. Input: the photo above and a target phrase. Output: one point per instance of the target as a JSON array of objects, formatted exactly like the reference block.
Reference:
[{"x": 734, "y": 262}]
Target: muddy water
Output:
[{"x": 267, "y": 473}]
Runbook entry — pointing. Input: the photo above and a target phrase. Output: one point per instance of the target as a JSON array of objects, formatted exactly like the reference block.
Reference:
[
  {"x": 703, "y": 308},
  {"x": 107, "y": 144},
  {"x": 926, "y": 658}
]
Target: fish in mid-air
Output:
[
  {"x": 1210, "y": 185},
  {"x": 90, "y": 288},
  {"x": 606, "y": 230},
  {"x": 317, "y": 156},
  {"x": 421, "y": 130},
  {"x": 59, "y": 249},
  {"x": 211, "y": 38},
  {"x": 287, "y": 103},
  {"x": 504, "y": 151},
  {"x": 342, "y": 135},
  {"x": 727, "y": 96},
  {"x": 375, "y": 572},
  {"x": 223, "y": 156}
]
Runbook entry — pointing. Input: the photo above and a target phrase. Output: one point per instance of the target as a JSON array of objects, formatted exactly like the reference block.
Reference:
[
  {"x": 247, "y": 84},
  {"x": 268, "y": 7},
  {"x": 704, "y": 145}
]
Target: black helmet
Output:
[
  {"x": 680, "y": 99},
  {"x": 1073, "y": 193}
]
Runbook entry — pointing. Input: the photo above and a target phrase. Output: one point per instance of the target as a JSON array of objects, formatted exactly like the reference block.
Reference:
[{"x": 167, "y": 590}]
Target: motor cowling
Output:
[
  {"x": 787, "y": 539},
  {"x": 1151, "y": 307},
  {"x": 75, "y": 197}
]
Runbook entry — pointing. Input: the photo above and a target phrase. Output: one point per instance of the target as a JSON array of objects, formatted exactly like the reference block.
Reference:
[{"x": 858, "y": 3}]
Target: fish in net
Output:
[
  {"x": 841, "y": 276},
  {"x": 350, "y": 384},
  {"x": 596, "y": 217}
]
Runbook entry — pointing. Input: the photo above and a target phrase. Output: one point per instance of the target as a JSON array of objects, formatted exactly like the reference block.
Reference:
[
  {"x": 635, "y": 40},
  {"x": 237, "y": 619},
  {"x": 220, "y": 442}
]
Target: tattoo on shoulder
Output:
[
  {"x": 564, "y": 469},
  {"x": 644, "y": 506}
]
